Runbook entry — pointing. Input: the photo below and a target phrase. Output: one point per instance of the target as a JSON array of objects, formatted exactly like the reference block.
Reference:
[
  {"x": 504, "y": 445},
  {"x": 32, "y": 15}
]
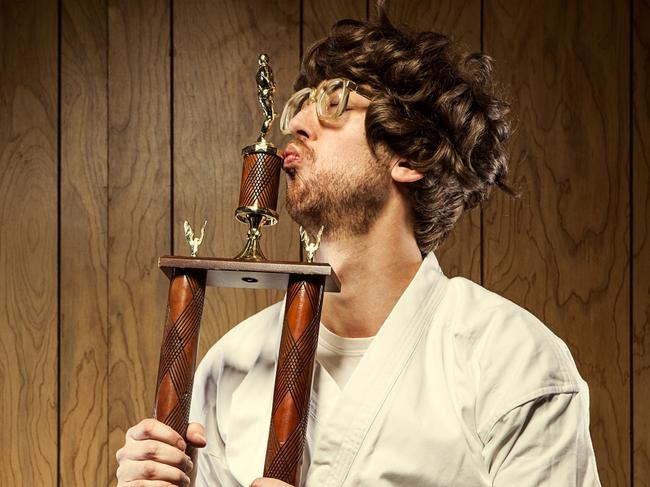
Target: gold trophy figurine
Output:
[
  {"x": 258, "y": 194},
  {"x": 265, "y": 93}
]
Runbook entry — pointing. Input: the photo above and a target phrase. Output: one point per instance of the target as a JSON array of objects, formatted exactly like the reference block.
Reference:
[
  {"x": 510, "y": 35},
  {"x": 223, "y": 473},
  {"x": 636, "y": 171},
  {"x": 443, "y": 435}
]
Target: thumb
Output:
[{"x": 196, "y": 435}]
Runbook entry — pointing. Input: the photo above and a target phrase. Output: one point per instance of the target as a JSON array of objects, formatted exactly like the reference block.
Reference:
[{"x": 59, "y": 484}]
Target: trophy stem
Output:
[
  {"x": 252, "y": 249},
  {"x": 179, "y": 348},
  {"x": 293, "y": 377}
]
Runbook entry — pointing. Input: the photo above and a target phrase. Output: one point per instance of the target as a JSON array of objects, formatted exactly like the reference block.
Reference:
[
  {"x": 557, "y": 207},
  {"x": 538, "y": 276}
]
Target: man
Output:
[{"x": 420, "y": 380}]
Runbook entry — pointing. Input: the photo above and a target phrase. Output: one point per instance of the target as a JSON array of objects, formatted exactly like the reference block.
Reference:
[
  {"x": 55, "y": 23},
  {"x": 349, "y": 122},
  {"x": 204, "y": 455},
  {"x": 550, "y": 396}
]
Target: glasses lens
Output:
[
  {"x": 332, "y": 100},
  {"x": 292, "y": 107}
]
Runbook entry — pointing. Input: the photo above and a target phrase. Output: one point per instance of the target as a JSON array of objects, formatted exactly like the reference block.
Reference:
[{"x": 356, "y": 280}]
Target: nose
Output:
[{"x": 304, "y": 122}]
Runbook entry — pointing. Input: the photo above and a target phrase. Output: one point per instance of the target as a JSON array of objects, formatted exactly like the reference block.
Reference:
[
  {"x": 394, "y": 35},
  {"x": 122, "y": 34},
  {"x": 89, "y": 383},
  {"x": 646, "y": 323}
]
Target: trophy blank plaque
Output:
[{"x": 305, "y": 284}]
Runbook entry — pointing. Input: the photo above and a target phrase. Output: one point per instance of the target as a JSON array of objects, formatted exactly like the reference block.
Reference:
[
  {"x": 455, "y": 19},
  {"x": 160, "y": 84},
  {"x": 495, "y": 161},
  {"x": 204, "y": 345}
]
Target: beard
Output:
[{"x": 346, "y": 202}]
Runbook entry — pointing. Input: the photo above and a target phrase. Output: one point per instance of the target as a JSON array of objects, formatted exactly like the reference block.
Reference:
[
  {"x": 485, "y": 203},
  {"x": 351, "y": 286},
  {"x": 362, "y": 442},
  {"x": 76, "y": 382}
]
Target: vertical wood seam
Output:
[
  {"x": 58, "y": 241},
  {"x": 172, "y": 222},
  {"x": 301, "y": 15},
  {"x": 109, "y": 477},
  {"x": 630, "y": 181}
]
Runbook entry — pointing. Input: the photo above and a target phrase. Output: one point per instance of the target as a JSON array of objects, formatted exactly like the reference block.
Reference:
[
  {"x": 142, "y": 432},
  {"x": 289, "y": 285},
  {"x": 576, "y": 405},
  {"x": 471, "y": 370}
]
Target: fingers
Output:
[
  {"x": 154, "y": 455},
  {"x": 156, "y": 451},
  {"x": 134, "y": 473},
  {"x": 150, "y": 429},
  {"x": 196, "y": 435}
]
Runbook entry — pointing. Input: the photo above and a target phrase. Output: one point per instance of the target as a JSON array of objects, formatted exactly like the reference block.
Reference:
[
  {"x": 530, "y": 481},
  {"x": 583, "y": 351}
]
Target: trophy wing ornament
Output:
[
  {"x": 193, "y": 241},
  {"x": 189, "y": 233},
  {"x": 308, "y": 246}
]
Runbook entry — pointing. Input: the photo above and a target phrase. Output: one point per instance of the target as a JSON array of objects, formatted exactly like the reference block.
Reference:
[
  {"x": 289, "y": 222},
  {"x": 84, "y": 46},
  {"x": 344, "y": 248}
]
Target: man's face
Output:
[{"x": 333, "y": 180}]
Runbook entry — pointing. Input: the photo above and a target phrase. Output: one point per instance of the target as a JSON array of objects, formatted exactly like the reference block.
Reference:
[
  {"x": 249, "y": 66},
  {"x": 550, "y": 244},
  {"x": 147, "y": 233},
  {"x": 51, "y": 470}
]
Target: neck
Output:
[{"x": 374, "y": 270}]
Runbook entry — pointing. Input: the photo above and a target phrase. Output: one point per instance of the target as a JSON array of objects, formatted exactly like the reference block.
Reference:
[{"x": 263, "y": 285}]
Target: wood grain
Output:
[
  {"x": 28, "y": 242},
  {"x": 83, "y": 264},
  {"x": 562, "y": 250},
  {"x": 641, "y": 242},
  {"x": 139, "y": 206},
  {"x": 319, "y": 16},
  {"x": 460, "y": 255},
  {"x": 216, "y": 114}
]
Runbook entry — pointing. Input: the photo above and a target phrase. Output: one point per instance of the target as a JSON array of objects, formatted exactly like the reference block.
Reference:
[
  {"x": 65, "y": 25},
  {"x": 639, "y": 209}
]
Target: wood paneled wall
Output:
[
  {"x": 29, "y": 127},
  {"x": 121, "y": 118},
  {"x": 640, "y": 230}
]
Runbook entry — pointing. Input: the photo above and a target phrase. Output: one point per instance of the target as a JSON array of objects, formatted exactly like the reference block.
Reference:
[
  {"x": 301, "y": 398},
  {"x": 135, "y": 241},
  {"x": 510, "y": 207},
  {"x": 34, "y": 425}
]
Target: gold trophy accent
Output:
[
  {"x": 258, "y": 194},
  {"x": 191, "y": 239},
  {"x": 309, "y": 246},
  {"x": 265, "y": 94}
]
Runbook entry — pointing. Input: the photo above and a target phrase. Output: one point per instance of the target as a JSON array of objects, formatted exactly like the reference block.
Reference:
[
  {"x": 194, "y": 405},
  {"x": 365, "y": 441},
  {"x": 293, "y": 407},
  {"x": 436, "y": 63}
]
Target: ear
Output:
[{"x": 402, "y": 172}]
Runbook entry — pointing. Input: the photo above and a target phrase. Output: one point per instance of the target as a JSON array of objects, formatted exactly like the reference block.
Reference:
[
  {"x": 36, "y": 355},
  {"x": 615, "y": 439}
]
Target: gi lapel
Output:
[{"x": 375, "y": 376}]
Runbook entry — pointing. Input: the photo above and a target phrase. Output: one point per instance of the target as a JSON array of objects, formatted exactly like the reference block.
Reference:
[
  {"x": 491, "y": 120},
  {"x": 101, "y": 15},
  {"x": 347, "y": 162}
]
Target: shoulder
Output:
[
  {"x": 511, "y": 356},
  {"x": 491, "y": 327}
]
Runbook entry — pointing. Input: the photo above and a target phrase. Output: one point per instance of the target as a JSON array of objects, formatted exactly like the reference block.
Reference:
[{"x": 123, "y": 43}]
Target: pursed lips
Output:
[{"x": 291, "y": 157}]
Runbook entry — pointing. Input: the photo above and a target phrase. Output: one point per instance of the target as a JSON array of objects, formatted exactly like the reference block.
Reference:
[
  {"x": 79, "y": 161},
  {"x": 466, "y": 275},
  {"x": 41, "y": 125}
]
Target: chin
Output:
[
  {"x": 304, "y": 215},
  {"x": 298, "y": 195}
]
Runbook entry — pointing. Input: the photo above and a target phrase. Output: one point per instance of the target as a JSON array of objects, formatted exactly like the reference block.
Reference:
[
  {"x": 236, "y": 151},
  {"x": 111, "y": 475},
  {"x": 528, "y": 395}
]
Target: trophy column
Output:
[
  {"x": 293, "y": 377},
  {"x": 179, "y": 348}
]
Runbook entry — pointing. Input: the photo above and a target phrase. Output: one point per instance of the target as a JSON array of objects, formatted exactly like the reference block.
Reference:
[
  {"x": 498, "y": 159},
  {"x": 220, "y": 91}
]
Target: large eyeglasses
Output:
[{"x": 331, "y": 98}]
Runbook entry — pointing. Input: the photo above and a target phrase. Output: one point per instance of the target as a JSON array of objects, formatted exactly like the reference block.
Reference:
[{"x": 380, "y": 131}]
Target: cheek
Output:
[{"x": 344, "y": 152}]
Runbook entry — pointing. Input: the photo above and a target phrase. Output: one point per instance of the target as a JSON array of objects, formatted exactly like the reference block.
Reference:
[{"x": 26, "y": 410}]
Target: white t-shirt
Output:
[{"x": 339, "y": 355}]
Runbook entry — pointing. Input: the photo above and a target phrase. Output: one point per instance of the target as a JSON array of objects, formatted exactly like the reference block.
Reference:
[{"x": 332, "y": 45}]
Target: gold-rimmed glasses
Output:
[{"x": 331, "y": 99}]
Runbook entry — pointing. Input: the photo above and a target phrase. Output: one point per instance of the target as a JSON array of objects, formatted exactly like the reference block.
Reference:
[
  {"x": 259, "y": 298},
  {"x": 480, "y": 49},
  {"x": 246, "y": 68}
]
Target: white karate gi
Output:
[{"x": 460, "y": 387}]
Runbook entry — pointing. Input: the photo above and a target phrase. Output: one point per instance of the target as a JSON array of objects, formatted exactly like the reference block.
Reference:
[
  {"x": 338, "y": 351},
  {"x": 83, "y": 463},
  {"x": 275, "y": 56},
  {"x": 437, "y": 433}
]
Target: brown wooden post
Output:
[
  {"x": 179, "y": 348},
  {"x": 293, "y": 377}
]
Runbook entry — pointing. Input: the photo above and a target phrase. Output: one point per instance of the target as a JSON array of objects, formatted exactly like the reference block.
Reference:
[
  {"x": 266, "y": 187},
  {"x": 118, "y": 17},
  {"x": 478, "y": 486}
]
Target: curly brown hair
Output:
[{"x": 436, "y": 106}]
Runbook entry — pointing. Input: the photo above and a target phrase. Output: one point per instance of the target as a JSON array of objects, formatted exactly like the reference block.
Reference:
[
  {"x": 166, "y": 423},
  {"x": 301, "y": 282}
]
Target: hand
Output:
[
  {"x": 153, "y": 455},
  {"x": 267, "y": 482}
]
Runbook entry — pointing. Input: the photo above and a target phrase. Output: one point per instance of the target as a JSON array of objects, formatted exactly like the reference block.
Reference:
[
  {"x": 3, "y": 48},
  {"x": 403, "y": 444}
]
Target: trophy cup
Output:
[{"x": 305, "y": 283}]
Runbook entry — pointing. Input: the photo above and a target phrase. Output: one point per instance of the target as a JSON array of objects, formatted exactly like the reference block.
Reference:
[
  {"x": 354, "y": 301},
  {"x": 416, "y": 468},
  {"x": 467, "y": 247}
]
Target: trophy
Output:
[{"x": 305, "y": 283}]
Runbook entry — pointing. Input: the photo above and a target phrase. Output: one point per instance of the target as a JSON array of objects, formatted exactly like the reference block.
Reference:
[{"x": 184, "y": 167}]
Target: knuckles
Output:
[
  {"x": 144, "y": 429},
  {"x": 149, "y": 470},
  {"x": 147, "y": 427},
  {"x": 151, "y": 450}
]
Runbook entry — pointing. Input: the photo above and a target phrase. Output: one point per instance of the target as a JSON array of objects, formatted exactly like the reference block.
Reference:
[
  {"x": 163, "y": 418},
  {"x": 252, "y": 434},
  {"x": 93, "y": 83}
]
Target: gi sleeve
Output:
[{"x": 543, "y": 442}]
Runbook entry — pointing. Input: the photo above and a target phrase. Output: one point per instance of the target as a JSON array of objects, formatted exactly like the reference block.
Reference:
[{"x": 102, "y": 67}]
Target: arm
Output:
[{"x": 543, "y": 442}]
